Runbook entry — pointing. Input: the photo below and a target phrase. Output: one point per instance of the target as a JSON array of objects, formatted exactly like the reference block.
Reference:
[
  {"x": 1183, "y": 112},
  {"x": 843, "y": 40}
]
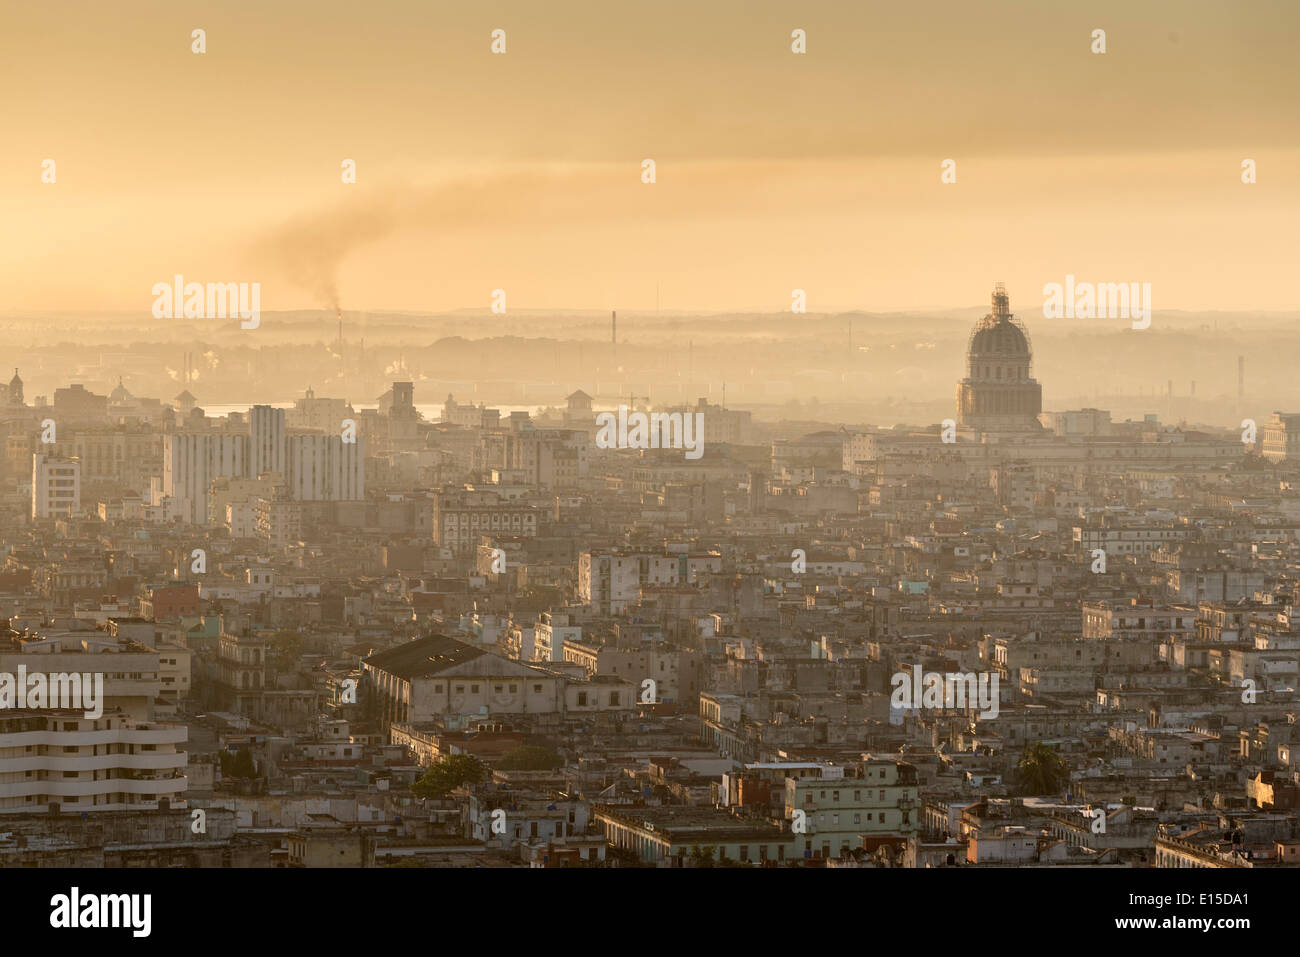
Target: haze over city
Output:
[{"x": 649, "y": 440}]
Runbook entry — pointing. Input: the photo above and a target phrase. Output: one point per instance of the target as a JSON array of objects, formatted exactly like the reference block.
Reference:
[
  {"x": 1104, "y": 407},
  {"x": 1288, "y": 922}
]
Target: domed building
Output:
[
  {"x": 120, "y": 395},
  {"x": 997, "y": 394}
]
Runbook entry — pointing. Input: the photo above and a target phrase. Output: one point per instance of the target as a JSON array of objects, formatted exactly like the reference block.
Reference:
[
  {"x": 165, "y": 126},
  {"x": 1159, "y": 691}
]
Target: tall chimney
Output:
[
  {"x": 613, "y": 329},
  {"x": 1241, "y": 377}
]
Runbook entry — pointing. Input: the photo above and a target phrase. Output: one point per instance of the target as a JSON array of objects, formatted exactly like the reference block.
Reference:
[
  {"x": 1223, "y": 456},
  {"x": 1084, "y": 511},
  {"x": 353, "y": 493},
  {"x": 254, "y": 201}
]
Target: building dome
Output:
[
  {"x": 998, "y": 393},
  {"x": 16, "y": 390},
  {"x": 1001, "y": 338}
]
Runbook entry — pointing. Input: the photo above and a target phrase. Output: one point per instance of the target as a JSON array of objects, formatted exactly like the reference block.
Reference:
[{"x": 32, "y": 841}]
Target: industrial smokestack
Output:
[
  {"x": 613, "y": 329},
  {"x": 1241, "y": 377}
]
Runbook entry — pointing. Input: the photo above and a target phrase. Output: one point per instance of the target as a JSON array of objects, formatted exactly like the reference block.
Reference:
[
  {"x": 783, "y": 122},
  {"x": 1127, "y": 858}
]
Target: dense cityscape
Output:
[
  {"x": 447, "y": 445},
  {"x": 358, "y": 636}
]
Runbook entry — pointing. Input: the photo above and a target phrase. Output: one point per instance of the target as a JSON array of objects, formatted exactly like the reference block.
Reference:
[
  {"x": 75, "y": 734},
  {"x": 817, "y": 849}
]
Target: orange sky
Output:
[{"x": 522, "y": 171}]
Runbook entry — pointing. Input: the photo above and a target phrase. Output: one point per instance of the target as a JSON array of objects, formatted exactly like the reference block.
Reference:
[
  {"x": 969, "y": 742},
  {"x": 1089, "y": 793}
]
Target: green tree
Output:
[
  {"x": 238, "y": 765},
  {"x": 1041, "y": 770},
  {"x": 285, "y": 649},
  {"x": 451, "y": 772},
  {"x": 530, "y": 758},
  {"x": 702, "y": 855}
]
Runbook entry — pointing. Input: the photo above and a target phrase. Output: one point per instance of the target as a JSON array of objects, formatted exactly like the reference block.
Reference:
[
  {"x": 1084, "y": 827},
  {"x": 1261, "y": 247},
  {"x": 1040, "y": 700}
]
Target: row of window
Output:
[
  {"x": 835, "y": 795},
  {"x": 496, "y": 688}
]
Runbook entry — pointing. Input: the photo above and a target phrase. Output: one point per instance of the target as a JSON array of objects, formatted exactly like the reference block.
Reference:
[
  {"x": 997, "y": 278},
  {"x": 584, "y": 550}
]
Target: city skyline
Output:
[{"x": 651, "y": 442}]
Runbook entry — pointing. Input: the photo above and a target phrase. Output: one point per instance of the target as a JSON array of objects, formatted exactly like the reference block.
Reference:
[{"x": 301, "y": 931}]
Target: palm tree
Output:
[{"x": 1041, "y": 770}]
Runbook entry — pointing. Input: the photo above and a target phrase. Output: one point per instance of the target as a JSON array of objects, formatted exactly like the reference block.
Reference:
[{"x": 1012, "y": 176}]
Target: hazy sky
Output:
[{"x": 522, "y": 171}]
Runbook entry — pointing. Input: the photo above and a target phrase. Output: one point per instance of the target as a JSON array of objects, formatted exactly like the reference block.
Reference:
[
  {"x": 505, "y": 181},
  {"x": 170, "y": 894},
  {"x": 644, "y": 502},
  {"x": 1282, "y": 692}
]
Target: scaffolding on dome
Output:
[{"x": 1001, "y": 313}]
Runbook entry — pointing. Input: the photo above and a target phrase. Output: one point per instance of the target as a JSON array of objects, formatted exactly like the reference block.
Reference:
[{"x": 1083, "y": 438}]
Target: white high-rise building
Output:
[
  {"x": 111, "y": 763},
  {"x": 56, "y": 486},
  {"x": 266, "y": 440},
  {"x": 191, "y": 460},
  {"x": 120, "y": 760},
  {"x": 316, "y": 467},
  {"x": 324, "y": 468}
]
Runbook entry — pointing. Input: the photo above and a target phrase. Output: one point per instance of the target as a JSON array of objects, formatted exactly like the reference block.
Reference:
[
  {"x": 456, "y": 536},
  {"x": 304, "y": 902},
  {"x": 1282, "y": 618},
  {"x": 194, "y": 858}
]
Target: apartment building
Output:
[
  {"x": 1136, "y": 621},
  {"x": 55, "y": 758},
  {"x": 324, "y": 468},
  {"x": 548, "y": 458},
  {"x": 673, "y": 836},
  {"x": 314, "y": 467},
  {"x": 832, "y": 812},
  {"x": 56, "y": 486},
  {"x": 1281, "y": 437},
  {"x": 461, "y": 515},
  {"x": 1126, "y": 539},
  {"x": 132, "y": 678},
  {"x": 678, "y": 676},
  {"x": 192, "y": 461},
  {"x": 61, "y": 761},
  {"x": 611, "y": 581}
]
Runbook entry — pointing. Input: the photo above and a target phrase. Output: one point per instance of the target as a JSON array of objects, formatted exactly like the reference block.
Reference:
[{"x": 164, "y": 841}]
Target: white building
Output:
[
  {"x": 324, "y": 468},
  {"x": 266, "y": 440},
  {"x": 121, "y": 760},
  {"x": 56, "y": 486},
  {"x": 191, "y": 460},
  {"x": 112, "y": 763},
  {"x": 131, "y": 670},
  {"x": 612, "y": 581},
  {"x": 317, "y": 413},
  {"x": 317, "y": 467},
  {"x": 1281, "y": 439},
  {"x": 552, "y": 631}
]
